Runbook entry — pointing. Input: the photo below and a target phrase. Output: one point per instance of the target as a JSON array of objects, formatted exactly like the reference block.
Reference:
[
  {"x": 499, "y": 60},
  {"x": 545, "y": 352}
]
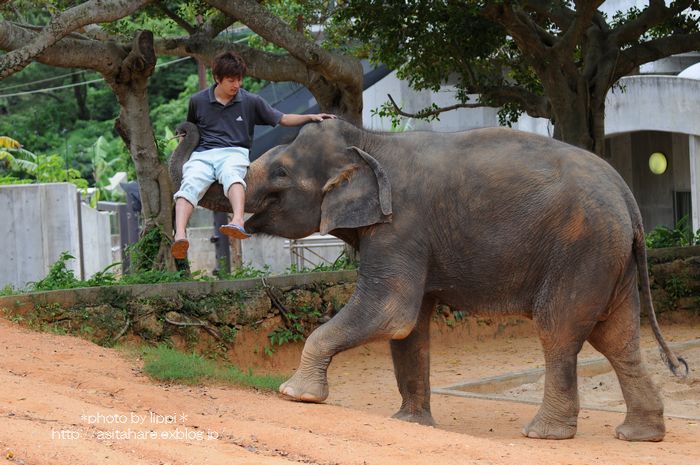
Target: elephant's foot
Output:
[
  {"x": 642, "y": 430},
  {"x": 302, "y": 388},
  {"x": 539, "y": 428},
  {"x": 422, "y": 417}
]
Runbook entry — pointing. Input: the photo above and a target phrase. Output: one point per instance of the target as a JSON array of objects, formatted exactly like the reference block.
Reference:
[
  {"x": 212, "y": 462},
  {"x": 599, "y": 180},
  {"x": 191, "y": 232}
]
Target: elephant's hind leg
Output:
[
  {"x": 411, "y": 358},
  {"x": 558, "y": 414},
  {"x": 563, "y": 326},
  {"x": 618, "y": 339}
]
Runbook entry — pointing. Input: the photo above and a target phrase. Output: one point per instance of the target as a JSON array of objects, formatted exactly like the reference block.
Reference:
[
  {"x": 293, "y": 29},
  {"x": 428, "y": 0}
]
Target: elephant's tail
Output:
[{"x": 674, "y": 363}]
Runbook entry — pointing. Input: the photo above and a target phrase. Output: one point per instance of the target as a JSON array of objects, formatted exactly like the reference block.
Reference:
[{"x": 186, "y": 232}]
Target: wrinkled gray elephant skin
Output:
[{"x": 490, "y": 221}]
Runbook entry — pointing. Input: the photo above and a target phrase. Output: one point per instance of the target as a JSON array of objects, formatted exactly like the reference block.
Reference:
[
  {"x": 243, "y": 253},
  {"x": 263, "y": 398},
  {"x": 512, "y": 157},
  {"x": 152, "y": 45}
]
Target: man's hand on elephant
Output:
[
  {"x": 291, "y": 119},
  {"x": 321, "y": 116}
]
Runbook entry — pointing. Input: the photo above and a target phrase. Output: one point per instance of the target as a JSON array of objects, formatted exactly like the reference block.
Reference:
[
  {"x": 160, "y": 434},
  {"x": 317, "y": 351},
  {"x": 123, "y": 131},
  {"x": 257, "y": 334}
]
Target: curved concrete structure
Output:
[
  {"x": 691, "y": 72},
  {"x": 654, "y": 103}
]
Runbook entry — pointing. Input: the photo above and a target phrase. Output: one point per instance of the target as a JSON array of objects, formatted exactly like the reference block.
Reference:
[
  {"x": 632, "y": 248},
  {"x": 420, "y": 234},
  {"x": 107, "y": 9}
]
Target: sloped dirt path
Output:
[{"x": 64, "y": 400}]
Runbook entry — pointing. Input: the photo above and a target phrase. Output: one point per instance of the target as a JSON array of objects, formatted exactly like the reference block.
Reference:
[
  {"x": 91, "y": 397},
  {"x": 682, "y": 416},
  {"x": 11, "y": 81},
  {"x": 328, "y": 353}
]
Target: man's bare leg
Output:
[
  {"x": 183, "y": 212},
  {"x": 236, "y": 195},
  {"x": 235, "y": 229}
]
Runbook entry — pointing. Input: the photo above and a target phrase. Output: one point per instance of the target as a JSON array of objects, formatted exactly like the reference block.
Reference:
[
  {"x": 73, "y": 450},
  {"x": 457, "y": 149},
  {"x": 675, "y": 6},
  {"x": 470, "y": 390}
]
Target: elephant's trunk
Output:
[
  {"x": 182, "y": 153},
  {"x": 254, "y": 178}
]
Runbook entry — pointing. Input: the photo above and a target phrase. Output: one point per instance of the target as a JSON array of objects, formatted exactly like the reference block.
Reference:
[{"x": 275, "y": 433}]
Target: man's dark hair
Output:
[{"x": 228, "y": 64}]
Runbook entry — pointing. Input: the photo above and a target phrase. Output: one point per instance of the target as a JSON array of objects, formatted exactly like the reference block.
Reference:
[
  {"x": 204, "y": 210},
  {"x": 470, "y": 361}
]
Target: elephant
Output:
[{"x": 490, "y": 221}]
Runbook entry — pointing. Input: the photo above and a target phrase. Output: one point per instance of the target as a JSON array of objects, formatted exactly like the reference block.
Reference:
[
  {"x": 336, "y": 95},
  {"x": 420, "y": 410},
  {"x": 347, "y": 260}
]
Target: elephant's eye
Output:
[{"x": 280, "y": 172}]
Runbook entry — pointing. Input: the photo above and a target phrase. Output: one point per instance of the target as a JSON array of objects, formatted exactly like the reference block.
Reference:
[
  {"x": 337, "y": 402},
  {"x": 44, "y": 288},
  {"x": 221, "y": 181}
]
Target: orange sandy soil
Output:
[{"x": 63, "y": 400}]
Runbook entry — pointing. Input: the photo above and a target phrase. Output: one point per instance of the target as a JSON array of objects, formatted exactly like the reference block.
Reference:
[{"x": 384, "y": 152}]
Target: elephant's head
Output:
[{"x": 320, "y": 182}]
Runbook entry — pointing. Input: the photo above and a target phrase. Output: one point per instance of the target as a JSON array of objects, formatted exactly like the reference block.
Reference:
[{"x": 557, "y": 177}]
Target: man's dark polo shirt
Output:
[{"x": 229, "y": 125}]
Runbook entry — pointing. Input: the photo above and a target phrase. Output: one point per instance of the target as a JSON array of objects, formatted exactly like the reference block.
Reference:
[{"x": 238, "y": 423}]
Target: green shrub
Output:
[
  {"x": 59, "y": 276},
  {"x": 680, "y": 236}
]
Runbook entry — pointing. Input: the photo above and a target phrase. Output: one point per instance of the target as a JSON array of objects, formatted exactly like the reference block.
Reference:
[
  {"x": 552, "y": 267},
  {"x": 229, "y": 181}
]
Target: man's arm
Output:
[{"x": 291, "y": 119}]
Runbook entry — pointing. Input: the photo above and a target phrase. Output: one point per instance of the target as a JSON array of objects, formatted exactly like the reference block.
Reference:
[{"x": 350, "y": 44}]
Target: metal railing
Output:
[{"x": 306, "y": 252}]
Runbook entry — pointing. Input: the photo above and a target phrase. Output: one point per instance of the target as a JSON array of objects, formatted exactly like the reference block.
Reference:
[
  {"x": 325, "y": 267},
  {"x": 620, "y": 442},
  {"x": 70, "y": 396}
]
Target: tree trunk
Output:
[
  {"x": 344, "y": 101},
  {"x": 579, "y": 115},
  {"x": 80, "y": 93},
  {"x": 135, "y": 128}
]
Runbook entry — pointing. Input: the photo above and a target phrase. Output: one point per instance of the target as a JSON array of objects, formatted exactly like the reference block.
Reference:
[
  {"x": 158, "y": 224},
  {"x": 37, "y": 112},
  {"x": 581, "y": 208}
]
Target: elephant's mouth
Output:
[{"x": 255, "y": 224}]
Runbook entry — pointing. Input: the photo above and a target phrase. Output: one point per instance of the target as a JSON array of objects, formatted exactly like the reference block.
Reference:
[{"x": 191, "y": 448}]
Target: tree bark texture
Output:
[
  {"x": 80, "y": 93},
  {"x": 130, "y": 86},
  {"x": 90, "y": 12}
]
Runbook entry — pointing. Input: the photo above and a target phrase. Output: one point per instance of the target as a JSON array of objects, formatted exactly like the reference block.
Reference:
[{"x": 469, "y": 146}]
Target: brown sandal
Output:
[
  {"x": 179, "y": 249},
  {"x": 234, "y": 231}
]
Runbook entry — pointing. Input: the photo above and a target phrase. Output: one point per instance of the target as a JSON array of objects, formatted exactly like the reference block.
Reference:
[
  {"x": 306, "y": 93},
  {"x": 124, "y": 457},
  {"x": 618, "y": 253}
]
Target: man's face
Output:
[{"x": 229, "y": 86}]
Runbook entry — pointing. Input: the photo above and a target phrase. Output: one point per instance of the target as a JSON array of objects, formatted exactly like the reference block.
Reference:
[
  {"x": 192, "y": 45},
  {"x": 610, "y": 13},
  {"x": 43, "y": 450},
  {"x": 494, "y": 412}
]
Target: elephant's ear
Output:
[{"x": 359, "y": 195}]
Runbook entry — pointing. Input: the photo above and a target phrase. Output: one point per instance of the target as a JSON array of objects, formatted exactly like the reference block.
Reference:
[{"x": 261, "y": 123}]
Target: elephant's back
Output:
[
  {"x": 512, "y": 183},
  {"x": 495, "y": 160}
]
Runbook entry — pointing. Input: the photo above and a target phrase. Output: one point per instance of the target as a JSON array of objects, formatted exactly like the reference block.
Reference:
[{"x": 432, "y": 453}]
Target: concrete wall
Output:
[
  {"x": 97, "y": 240},
  {"x": 694, "y": 156},
  {"x": 629, "y": 154},
  {"x": 40, "y": 221},
  {"x": 258, "y": 252},
  {"x": 653, "y": 103}
]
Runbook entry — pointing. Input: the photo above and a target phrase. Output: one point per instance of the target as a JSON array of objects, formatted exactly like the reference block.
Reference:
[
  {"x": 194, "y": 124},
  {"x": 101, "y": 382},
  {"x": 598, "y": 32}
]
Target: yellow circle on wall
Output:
[{"x": 658, "y": 163}]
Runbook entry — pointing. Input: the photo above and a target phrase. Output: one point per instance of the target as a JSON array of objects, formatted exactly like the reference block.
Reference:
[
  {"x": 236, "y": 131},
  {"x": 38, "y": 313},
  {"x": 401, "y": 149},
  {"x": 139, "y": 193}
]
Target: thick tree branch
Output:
[
  {"x": 600, "y": 22},
  {"x": 558, "y": 14},
  {"x": 92, "y": 11},
  {"x": 216, "y": 24},
  {"x": 68, "y": 53},
  {"x": 261, "y": 64},
  {"x": 175, "y": 17},
  {"x": 273, "y": 29},
  {"x": 656, "y": 13},
  {"x": 653, "y": 50},
  {"x": 582, "y": 21},
  {"x": 524, "y": 31}
]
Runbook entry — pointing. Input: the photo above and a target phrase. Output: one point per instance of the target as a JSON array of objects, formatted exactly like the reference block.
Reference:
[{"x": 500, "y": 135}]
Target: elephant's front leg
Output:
[
  {"x": 382, "y": 307},
  {"x": 411, "y": 358}
]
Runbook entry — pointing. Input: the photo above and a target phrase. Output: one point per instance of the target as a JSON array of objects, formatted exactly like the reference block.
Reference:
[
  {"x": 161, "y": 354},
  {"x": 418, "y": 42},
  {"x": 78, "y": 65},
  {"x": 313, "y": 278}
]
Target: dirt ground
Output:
[{"x": 64, "y": 400}]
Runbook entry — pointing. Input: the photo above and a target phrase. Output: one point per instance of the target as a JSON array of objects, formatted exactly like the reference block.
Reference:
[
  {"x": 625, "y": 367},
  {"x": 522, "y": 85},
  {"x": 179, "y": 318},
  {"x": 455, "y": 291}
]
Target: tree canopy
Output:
[{"x": 121, "y": 40}]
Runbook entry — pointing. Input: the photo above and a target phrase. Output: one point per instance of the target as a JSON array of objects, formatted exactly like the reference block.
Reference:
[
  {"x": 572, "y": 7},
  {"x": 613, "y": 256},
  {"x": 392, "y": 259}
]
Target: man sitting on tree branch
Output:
[{"x": 225, "y": 115}]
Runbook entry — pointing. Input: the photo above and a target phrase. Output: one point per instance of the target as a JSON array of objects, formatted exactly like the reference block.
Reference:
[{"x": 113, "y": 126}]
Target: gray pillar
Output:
[
  {"x": 694, "y": 153},
  {"x": 221, "y": 245}
]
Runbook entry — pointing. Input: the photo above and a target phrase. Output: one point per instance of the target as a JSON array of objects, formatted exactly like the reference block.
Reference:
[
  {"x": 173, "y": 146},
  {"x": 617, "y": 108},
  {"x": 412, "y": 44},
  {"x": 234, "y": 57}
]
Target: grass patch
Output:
[
  {"x": 60, "y": 276},
  {"x": 164, "y": 363}
]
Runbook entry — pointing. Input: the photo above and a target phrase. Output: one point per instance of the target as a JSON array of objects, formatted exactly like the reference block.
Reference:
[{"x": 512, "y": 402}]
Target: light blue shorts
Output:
[{"x": 227, "y": 165}]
